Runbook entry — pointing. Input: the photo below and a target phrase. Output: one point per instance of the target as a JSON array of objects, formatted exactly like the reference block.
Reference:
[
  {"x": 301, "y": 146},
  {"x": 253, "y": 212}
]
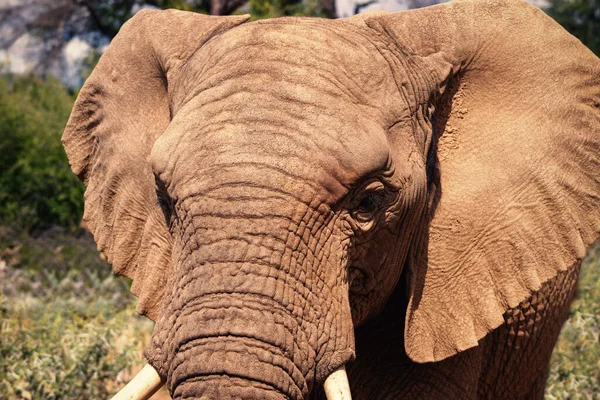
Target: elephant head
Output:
[{"x": 266, "y": 184}]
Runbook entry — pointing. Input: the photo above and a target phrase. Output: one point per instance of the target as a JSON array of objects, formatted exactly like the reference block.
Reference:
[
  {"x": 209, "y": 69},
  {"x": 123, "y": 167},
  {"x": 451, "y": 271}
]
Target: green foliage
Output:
[
  {"x": 260, "y": 9},
  {"x": 202, "y": 6},
  {"x": 37, "y": 187},
  {"x": 52, "y": 351},
  {"x": 575, "y": 365},
  {"x": 581, "y": 18},
  {"x": 68, "y": 327},
  {"x": 111, "y": 14}
]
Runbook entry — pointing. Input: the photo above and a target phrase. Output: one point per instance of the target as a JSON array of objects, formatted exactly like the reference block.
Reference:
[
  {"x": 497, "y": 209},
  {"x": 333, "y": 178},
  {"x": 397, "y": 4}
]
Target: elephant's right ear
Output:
[
  {"x": 121, "y": 110},
  {"x": 515, "y": 178}
]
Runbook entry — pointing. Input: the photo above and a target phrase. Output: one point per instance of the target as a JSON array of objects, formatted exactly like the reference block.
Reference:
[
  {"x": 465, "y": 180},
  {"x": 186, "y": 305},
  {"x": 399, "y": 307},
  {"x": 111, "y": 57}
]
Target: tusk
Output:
[
  {"x": 142, "y": 386},
  {"x": 336, "y": 385}
]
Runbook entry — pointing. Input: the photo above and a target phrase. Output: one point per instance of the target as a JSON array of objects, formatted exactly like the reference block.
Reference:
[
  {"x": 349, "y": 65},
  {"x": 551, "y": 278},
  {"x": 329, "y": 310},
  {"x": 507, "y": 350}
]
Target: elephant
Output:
[{"x": 391, "y": 205}]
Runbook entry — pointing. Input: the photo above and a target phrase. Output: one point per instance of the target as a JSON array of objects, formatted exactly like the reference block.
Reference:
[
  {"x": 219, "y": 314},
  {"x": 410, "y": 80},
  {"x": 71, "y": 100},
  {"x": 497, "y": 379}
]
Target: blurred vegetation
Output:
[
  {"x": 260, "y": 9},
  {"x": 575, "y": 365},
  {"x": 68, "y": 329},
  {"x": 37, "y": 188},
  {"x": 581, "y": 18}
]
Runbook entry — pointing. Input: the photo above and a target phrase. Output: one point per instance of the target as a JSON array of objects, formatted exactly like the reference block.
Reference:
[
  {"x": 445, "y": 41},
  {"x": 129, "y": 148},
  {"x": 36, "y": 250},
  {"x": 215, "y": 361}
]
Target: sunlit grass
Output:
[
  {"x": 51, "y": 350},
  {"x": 575, "y": 365},
  {"x": 67, "y": 332}
]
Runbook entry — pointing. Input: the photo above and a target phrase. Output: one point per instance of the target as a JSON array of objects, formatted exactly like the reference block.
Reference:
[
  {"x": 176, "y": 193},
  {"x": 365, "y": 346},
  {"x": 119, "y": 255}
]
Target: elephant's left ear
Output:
[
  {"x": 518, "y": 155},
  {"x": 124, "y": 107}
]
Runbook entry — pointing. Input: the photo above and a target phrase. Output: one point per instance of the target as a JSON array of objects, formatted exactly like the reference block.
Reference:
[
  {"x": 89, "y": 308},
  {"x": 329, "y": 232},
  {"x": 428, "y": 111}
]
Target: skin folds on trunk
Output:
[
  {"x": 252, "y": 313},
  {"x": 223, "y": 367},
  {"x": 241, "y": 342}
]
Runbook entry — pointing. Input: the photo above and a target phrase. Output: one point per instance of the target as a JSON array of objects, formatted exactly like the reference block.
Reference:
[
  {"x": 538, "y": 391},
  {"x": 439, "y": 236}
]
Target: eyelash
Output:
[
  {"x": 370, "y": 202},
  {"x": 373, "y": 199},
  {"x": 163, "y": 200}
]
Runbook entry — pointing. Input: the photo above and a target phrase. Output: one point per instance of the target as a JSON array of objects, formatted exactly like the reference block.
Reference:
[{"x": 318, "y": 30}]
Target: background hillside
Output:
[{"x": 68, "y": 329}]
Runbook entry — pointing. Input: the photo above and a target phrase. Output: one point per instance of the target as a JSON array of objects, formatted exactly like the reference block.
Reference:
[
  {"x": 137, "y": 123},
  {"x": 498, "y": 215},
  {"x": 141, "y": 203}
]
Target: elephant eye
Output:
[
  {"x": 370, "y": 202},
  {"x": 163, "y": 200},
  {"x": 368, "y": 205}
]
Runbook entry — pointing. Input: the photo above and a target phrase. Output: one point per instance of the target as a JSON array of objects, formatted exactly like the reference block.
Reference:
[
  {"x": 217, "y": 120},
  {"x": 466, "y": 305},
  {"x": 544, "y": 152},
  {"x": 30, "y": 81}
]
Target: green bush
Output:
[
  {"x": 581, "y": 18},
  {"x": 575, "y": 364},
  {"x": 52, "y": 351},
  {"x": 68, "y": 329},
  {"x": 260, "y": 9},
  {"x": 37, "y": 187}
]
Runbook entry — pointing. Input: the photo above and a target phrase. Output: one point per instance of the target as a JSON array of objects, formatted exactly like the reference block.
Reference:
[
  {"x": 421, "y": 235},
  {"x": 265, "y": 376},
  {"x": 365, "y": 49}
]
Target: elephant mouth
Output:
[
  {"x": 234, "y": 367},
  {"x": 147, "y": 382},
  {"x": 244, "y": 345}
]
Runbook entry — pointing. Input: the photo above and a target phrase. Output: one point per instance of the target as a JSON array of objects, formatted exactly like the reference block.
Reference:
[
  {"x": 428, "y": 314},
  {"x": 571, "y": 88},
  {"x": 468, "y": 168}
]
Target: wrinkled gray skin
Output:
[{"x": 409, "y": 194}]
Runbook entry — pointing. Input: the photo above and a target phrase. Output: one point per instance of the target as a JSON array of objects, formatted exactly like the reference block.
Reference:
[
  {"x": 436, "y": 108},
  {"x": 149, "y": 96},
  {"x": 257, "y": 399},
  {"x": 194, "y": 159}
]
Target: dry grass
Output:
[{"x": 575, "y": 365}]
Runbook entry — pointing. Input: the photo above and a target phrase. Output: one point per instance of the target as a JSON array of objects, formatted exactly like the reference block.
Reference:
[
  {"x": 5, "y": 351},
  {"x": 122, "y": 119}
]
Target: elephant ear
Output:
[
  {"x": 517, "y": 122},
  {"x": 121, "y": 110}
]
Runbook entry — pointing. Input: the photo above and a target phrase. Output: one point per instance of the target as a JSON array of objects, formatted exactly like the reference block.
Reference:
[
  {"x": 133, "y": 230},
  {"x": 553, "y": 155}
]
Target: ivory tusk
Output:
[
  {"x": 142, "y": 386},
  {"x": 337, "y": 386}
]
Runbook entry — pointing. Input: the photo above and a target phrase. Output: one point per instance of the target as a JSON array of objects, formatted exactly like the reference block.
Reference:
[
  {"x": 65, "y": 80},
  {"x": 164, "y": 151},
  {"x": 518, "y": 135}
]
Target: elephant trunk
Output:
[
  {"x": 249, "y": 330},
  {"x": 256, "y": 304},
  {"x": 237, "y": 346}
]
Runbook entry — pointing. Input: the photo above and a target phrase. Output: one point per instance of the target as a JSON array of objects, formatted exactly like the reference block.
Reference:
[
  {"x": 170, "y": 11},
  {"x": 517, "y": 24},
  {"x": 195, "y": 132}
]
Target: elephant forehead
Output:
[
  {"x": 305, "y": 60},
  {"x": 270, "y": 145},
  {"x": 288, "y": 103}
]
